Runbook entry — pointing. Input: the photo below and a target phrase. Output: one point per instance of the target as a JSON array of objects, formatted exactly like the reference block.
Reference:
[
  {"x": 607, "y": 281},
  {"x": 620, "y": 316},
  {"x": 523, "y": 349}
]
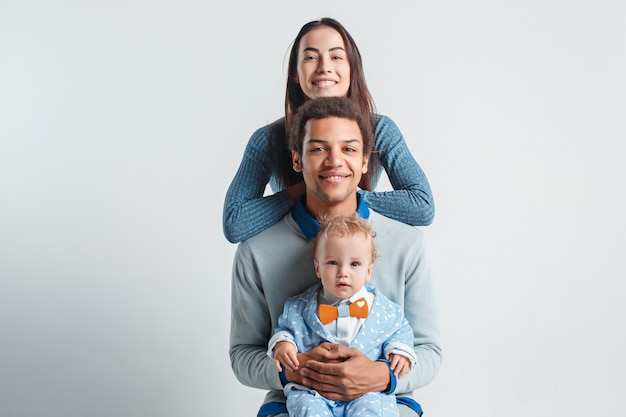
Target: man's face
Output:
[{"x": 332, "y": 164}]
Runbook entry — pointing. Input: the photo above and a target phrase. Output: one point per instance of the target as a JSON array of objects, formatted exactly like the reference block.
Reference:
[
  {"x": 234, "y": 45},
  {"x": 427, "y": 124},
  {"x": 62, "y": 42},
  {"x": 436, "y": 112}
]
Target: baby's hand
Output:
[
  {"x": 400, "y": 365},
  {"x": 285, "y": 353}
]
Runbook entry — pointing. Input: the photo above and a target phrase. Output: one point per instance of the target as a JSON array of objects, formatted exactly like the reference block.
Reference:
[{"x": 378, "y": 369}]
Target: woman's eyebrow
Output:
[{"x": 335, "y": 48}]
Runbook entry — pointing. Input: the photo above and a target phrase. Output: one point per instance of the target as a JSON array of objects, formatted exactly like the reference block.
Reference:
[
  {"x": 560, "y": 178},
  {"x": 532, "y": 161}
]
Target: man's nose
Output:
[{"x": 335, "y": 158}]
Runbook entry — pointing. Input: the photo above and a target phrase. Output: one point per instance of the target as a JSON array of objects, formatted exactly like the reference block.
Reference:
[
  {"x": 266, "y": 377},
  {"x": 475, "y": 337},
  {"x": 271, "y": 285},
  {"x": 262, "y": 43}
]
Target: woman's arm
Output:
[
  {"x": 246, "y": 211},
  {"x": 411, "y": 201}
]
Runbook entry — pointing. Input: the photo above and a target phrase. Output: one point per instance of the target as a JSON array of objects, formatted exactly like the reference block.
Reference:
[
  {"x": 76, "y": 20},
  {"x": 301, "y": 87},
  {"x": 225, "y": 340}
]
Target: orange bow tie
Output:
[{"x": 329, "y": 313}]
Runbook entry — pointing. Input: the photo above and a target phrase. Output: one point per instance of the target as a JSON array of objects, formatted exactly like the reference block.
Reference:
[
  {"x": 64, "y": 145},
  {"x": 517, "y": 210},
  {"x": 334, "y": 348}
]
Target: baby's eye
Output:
[
  {"x": 355, "y": 263},
  {"x": 332, "y": 262}
]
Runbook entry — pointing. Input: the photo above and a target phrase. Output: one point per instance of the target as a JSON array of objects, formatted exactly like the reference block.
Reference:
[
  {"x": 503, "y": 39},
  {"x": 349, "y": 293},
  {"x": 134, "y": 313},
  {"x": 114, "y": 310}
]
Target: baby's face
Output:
[{"x": 344, "y": 264}]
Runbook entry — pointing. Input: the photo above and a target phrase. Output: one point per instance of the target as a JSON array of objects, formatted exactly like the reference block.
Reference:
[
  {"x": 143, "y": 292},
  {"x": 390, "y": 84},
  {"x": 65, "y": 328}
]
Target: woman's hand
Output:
[{"x": 296, "y": 190}]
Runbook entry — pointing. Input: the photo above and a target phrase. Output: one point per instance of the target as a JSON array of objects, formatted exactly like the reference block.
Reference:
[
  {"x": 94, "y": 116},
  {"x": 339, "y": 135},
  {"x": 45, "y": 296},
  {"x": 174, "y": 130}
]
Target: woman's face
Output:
[{"x": 323, "y": 68}]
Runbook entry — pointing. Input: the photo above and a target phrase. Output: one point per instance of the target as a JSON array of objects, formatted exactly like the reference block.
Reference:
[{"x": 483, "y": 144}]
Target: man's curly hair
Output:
[{"x": 323, "y": 107}]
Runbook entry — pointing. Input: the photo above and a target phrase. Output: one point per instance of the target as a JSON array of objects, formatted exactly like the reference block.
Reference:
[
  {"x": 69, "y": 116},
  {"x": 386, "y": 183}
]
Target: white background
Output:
[{"x": 123, "y": 122}]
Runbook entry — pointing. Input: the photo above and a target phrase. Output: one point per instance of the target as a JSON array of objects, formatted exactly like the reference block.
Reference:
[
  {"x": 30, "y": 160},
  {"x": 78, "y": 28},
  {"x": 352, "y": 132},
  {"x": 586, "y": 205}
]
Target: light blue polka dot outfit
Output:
[{"x": 384, "y": 330}]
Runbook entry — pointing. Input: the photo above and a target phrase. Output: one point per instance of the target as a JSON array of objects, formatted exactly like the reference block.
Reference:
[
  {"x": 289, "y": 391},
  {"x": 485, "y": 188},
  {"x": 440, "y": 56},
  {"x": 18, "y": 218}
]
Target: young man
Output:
[{"x": 331, "y": 142}]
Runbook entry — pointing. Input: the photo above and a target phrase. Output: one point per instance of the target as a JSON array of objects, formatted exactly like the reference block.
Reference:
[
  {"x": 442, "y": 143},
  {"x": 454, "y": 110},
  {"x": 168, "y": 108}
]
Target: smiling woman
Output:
[
  {"x": 324, "y": 62},
  {"x": 323, "y": 70}
]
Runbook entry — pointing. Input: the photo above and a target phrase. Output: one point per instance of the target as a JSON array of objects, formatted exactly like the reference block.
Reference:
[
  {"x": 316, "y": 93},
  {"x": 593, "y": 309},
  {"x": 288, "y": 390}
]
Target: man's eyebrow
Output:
[
  {"x": 316, "y": 140},
  {"x": 352, "y": 140}
]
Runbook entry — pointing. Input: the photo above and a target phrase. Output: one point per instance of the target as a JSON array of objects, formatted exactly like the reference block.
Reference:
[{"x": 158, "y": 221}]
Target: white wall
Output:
[{"x": 122, "y": 123}]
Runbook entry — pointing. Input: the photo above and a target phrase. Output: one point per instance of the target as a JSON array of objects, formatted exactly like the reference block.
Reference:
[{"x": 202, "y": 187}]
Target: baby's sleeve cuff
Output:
[{"x": 393, "y": 381}]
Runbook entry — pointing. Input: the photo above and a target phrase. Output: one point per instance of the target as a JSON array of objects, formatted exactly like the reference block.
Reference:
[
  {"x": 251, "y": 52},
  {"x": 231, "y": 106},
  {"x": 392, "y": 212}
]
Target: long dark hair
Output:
[{"x": 295, "y": 97}]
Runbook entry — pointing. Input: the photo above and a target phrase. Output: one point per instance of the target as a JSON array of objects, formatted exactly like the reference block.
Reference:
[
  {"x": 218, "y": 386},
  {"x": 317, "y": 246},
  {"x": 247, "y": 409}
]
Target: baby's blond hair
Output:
[{"x": 341, "y": 225}]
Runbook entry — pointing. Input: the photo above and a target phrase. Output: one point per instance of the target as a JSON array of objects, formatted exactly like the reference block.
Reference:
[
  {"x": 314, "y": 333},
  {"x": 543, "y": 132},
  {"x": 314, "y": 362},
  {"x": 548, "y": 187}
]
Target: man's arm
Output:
[
  {"x": 249, "y": 328},
  {"x": 420, "y": 310}
]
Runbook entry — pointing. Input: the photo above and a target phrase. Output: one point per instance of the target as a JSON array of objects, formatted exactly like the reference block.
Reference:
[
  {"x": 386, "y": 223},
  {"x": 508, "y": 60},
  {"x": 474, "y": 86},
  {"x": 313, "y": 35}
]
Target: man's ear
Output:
[
  {"x": 366, "y": 160},
  {"x": 297, "y": 161}
]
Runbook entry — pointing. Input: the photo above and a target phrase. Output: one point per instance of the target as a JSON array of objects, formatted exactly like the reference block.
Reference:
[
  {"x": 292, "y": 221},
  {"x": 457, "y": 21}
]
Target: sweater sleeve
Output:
[
  {"x": 246, "y": 210},
  {"x": 411, "y": 200},
  {"x": 250, "y": 327},
  {"x": 420, "y": 311}
]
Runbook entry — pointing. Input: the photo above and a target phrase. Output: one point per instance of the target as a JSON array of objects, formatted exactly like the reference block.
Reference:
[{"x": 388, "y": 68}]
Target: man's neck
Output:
[
  {"x": 332, "y": 209},
  {"x": 316, "y": 208},
  {"x": 308, "y": 223}
]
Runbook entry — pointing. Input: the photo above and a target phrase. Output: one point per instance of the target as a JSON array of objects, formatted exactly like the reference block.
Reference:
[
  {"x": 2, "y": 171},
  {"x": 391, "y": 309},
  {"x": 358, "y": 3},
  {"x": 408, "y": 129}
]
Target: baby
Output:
[{"x": 342, "y": 309}]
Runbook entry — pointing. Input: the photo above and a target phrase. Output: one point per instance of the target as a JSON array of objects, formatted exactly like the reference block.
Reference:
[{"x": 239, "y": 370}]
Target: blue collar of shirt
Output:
[{"x": 310, "y": 226}]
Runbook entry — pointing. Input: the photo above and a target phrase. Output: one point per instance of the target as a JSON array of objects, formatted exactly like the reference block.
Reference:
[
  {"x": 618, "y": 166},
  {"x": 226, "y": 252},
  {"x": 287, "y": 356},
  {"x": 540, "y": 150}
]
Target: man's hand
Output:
[
  {"x": 342, "y": 373},
  {"x": 321, "y": 353}
]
